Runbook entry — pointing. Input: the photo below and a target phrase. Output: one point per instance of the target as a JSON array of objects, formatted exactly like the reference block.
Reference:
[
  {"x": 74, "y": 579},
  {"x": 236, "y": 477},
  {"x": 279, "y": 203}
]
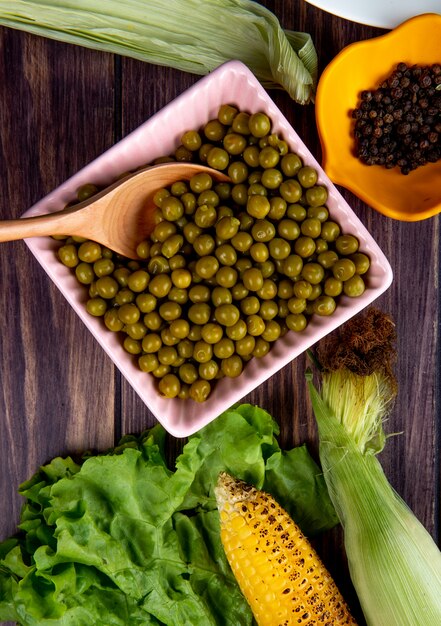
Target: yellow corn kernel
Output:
[{"x": 277, "y": 570}]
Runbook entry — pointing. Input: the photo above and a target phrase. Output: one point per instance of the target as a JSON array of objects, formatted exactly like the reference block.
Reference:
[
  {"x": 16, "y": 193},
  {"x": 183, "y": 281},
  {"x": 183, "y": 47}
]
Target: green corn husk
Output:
[
  {"x": 190, "y": 35},
  {"x": 394, "y": 563}
]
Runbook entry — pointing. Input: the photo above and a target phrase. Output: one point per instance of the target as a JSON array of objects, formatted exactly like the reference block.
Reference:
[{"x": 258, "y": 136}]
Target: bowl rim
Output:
[{"x": 329, "y": 163}]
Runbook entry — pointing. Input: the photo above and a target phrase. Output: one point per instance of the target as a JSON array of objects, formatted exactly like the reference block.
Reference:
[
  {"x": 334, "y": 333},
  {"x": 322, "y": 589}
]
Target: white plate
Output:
[{"x": 380, "y": 13}]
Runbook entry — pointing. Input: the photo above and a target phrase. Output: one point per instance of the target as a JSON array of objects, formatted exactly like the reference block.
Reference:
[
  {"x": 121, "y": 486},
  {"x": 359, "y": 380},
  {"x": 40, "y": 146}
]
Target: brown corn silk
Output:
[
  {"x": 364, "y": 345},
  {"x": 277, "y": 569}
]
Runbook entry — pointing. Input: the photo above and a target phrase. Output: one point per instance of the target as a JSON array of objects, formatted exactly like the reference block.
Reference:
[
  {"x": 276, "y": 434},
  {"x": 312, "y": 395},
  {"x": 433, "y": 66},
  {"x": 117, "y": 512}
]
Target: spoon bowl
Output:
[{"x": 119, "y": 217}]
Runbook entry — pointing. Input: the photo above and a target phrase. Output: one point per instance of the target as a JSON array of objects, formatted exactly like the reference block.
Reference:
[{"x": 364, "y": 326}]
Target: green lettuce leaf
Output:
[{"x": 120, "y": 538}]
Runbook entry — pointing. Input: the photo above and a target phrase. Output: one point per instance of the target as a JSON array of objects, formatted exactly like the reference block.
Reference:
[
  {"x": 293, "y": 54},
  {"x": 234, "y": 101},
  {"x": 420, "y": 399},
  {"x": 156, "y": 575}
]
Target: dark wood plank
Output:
[{"x": 57, "y": 387}]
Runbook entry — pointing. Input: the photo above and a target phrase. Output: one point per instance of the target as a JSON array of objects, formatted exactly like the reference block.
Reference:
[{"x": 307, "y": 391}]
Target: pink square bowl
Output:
[{"x": 230, "y": 83}]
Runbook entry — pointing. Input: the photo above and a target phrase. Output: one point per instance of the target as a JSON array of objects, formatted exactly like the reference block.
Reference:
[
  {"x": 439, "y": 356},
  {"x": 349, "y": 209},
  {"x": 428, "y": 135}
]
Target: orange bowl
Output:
[{"x": 364, "y": 65}]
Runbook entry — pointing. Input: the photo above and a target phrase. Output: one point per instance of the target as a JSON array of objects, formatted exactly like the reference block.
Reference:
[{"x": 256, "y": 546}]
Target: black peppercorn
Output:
[{"x": 399, "y": 123}]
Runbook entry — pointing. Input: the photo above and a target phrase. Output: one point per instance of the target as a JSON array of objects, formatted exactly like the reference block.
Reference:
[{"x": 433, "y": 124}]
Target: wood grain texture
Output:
[{"x": 61, "y": 106}]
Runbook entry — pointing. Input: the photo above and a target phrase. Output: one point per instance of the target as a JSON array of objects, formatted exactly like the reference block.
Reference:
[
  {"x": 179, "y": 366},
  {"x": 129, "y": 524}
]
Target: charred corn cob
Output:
[{"x": 277, "y": 570}]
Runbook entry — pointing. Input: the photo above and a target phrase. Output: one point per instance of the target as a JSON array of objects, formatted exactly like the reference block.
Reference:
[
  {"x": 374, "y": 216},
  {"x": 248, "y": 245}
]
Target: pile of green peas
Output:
[{"x": 230, "y": 266}]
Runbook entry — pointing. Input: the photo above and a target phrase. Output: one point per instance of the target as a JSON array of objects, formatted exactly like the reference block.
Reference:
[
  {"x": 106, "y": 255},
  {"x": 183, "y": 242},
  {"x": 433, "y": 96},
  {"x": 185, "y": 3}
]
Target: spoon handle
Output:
[{"x": 58, "y": 223}]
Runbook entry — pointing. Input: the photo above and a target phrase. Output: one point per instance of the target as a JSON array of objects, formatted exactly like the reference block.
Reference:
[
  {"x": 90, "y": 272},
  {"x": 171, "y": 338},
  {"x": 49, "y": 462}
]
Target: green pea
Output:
[
  {"x": 291, "y": 164},
  {"x": 261, "y": 348},
  {"x": 200, "y": 182},
  {"x": 226, "y": 114},
  {"x": 89, "y": 251},
  {"x": 333, "y": 287},
  {"x": 132, "y": 346},
  {"x": 251, "y": 156},
  {"x": 205, "y": 216},
  {"x": 272, "y": 331},
  {"x": 290, "y": 190},
  {"x": 296, "y": 322},
  {"x": 302, "y": 289},
  {"x": 313, "y": 273},
  {"x": 218, "y": 159},
  {"x": 237, "y": 331},
  {"x": 259, "y": 124},
  {"x": 311, "y": 227},
  {"x": 250, "y": 305},
  {"x": 304, "y": 247},
  {"x": 268, "y": 310},
  {"x": 129, "y": 313},
  {"x": 232, "y": 366},
  {"x": 343, "y": 269},
  {"x": 227, "y": 314},
  {"x": 240, "y": 123},
  {"x": 327, "y": 259},
  {"x": 354, "y": 287},
  {"x": 107, "y": 287},
  {"x": 204, "y": 244},
  {"x": 207, "y": 266},
  {"x": 242, "y": 241},
  {"x": 288, "y": 229},
  {"x": 296, "y": 212},
  {"x": 234, "y": 143},
  {"x": 199, "y": 293},
  {"x": 226, "y": 276},
  {"x": 252, "y": 279},
  {"x": 85, "y": 274},
  {"x": 296, "y": 305},
  {"x": 318, "y": 212},
  {"x": 202, "y": 351},
  {"x": 124, "y": 296},
  {"x": 237, "y": 172},
  {"x": 151, "y": 343},
  {"x": 279, "y": 248},
  {"x": 68, "y": 255},
  {"x": 96, "y": 306},
  {"x": 223, "y": 348},
  {"x": 146, "y": 302},
  {"x": 255, "y": 325},
  {"x": 153, "y": 320},
  {"x": 361, "y": 262},
  {"x": 208, "y": 370},
  {"x": 172, "y": 208},
  {"x": 160, "y": 285},
  {"x": 199, "y": 313},
  {"x": 324, "y": 305},
  {"x": 212, "y": 333},
  {"x": 263, "y": 230},
  {"x": 188, "y": 372},
  {"x": 169, "y": 386},
  {"x": 258, "y": 206},
  {"x": 148, "y": 362},
  {"x": 268, "y": 290},
  {"x": 346, "y": 244},
  {"x": 227, "y": 227},
  {"x": 214, "y": 130},
  {"x": 180, "y": 328},
  {"x": 138, "y": 280},
  {"x": 272, "y": 178},
  {"x": 292, "y": 265},
  {"x": 200, "y": 390},
  {"x": 307, "y": 176},
  {"x": 136, "y": 330},
  {"x": 221, "y": 295},
  {"x": 330, "y": 231},
  {"x": 112, "y": 321}
]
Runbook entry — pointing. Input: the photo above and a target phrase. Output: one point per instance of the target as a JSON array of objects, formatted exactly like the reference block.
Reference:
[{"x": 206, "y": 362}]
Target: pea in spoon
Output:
[{"x": 119, "y": 217}]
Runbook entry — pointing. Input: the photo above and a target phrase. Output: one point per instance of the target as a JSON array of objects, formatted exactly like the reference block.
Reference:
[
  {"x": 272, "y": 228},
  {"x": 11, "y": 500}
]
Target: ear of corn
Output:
[{"x": 278, "y": 571}]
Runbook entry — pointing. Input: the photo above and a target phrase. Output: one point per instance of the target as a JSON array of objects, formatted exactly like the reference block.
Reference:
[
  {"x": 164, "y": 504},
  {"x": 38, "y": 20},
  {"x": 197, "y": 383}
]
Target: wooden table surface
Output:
[{"x": 60, "y": 107}]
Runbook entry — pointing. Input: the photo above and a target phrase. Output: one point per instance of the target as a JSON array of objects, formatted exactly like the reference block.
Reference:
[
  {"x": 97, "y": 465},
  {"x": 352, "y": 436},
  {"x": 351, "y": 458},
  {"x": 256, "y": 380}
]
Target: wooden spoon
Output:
[{"x": 119, "y": 217}]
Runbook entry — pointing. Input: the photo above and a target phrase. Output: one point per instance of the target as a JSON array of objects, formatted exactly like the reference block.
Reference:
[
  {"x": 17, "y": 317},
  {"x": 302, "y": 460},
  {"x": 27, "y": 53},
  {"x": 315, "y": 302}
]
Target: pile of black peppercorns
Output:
[{"x": 399, "y": 124}]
